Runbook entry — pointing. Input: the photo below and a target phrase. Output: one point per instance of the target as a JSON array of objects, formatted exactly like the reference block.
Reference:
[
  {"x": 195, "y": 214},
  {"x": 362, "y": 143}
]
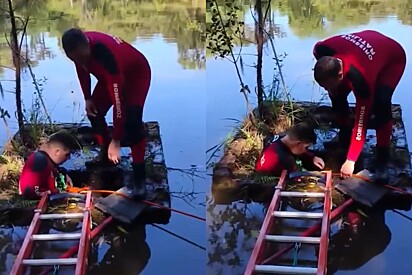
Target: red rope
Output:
[{"x": 386, "y": 185}]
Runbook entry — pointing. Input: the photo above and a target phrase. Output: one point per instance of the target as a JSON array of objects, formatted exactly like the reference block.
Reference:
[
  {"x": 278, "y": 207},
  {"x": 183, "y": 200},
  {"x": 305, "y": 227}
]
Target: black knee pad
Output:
[
  {"x": 340, "y": 105},
  {"x": 382, "y": 108},
  {"x": 134, "y": 126}
]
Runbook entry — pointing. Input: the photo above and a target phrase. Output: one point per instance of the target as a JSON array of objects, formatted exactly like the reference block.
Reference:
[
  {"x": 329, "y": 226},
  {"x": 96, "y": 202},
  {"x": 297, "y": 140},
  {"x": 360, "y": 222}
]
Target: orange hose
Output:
[{"x": 76, "y": 189}]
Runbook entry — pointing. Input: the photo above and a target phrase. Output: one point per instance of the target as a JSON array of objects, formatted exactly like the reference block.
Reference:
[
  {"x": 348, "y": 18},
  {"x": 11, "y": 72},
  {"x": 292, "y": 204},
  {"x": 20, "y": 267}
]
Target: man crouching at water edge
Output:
[
  {"x": 41, "y": 173},
  {"x": 283, "y": 152},
  {"x": 124, "y": 76},
  {"x": 371, "y": 65}
]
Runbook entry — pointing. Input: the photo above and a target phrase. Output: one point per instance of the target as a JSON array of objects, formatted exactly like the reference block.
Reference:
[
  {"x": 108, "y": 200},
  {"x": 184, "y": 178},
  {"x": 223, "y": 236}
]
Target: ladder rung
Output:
[
  {"x": 54, "y": 237},
  {"x": 61, "y": 216},
  {"x": 44, "y": 262},
  {"x": 297, "y": 215},
  {"x": 276, "y": 269},
  {"x": 302, "y": 194},
  {"x": 293, "y": 239}
]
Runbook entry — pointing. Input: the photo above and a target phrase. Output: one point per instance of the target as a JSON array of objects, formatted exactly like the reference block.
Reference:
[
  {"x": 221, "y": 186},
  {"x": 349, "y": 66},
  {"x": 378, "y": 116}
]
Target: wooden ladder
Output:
[
  {"x": 24, "y": 259},
  {"x": 255, "y": 264}
]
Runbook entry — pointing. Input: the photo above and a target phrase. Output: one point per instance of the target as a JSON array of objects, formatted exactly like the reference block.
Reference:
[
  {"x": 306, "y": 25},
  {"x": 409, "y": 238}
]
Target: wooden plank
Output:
[
  {"x": 120, "y": 208},
  {"x": 361, "y": 191}
]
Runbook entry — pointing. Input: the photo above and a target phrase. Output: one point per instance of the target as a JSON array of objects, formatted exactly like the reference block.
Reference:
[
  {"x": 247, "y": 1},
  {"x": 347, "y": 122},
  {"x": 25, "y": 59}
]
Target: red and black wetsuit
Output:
[
  {"x": 38, "y": 176},
  {"x": 373, "y": 65},
  {"x": 124, "y": 76},
  {"x": 277, "y": 157}
]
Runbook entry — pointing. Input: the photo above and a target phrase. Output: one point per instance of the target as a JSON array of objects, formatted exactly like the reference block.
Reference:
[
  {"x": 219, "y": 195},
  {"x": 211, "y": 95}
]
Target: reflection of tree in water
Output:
[
  {"x": 230, "y": 235},
  {"x": 8, "y": 245},
  {"x": 321, "y": 18},
  {"x": 182, "y": 21},
  {"x": 311, "y": 17},
  {"x": 127, "y": 254}
]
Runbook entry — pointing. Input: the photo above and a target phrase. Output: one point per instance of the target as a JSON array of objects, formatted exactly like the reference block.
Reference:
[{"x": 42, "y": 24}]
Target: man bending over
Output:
[
  {"x": 123, "y": 75},
  {"x": 371, "y": 65}
]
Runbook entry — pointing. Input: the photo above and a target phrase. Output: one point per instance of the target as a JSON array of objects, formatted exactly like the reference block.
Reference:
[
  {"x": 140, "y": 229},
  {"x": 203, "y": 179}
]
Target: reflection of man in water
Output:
[
  {"x": 127, "y": 255},
  {"x": 351, "y": 249}
]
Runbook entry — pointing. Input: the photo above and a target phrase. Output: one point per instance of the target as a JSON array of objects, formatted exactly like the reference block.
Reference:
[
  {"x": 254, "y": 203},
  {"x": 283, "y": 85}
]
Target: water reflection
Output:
[
  {"x": 231, "y": 233},
  {"x": 180, "y": 22},
  {"x": 128, "y": 253},
  {"x": 115, "y": 251},
  {"x": 350, "y": 250},
  {"x": 316, "y": 18}
]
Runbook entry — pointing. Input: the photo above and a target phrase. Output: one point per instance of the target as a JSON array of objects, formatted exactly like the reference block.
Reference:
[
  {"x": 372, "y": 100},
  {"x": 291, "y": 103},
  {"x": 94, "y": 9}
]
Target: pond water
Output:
[
  {"x": 168, "y": 33},
  {"x": 231, "y": 230}
]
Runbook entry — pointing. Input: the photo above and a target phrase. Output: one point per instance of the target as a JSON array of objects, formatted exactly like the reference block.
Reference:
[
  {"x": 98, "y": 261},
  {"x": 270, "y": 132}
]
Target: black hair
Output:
[
  {"x": 72, "y": 39},
  {"x": 326, "y": 67},
  {"x": 64, "y": 138},
  {"x": 302, "y": 132}
]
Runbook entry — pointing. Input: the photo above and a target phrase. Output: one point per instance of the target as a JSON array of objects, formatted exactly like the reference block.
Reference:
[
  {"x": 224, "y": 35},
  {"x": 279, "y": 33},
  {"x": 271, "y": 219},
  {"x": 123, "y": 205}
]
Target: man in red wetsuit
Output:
[
  {"x": 123, "y": 75},
  {"x": 284, "y": 150},
  {"x": 371, "y": 65},
  {"x": 41, "y": 169}
]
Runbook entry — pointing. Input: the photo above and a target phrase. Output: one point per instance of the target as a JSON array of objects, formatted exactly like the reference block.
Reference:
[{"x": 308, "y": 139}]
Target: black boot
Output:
[
  {"x": 102, "y": 160},
  {"x": 381, "y": 165},
  {"x": 342, "y": 139},
  {"x": 137, "y": 186}
]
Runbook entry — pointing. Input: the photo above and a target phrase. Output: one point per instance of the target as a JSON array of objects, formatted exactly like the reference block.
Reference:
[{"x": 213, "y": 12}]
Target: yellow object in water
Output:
[
  {"x": 122, "y": 229},
  {"x": 362, "y": 213}
]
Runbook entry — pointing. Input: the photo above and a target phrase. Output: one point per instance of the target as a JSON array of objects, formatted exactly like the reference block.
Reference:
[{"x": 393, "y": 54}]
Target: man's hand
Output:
[
  {"x": 91, "y": 108},
  {"x": 114, "y": 151},
  {"x": 318, "y": 162},
  {"x": 69, "y": 181},
  {"x": 347, "y": 169}
]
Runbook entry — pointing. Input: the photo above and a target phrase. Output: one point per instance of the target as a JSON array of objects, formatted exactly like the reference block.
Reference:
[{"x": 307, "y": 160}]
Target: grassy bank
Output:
[
  {"x": 242, "y": 149},
  {"x": 12, "y": 161}
]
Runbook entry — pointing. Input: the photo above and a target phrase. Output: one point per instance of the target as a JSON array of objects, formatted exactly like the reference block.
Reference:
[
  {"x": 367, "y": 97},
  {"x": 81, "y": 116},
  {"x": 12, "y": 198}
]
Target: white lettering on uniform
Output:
[
  {"x": 117, "y": 100},
  {"x": 262, "y": 160},
  {"x": 38, "y": 193},
  {"x": 360, "y": 123},
  {"x": 366, "y": 47}
]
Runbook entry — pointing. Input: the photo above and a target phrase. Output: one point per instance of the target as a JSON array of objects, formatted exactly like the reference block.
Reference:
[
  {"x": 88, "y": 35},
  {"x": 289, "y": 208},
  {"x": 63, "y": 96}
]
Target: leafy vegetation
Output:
[{"x": 275, "y": 110}]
